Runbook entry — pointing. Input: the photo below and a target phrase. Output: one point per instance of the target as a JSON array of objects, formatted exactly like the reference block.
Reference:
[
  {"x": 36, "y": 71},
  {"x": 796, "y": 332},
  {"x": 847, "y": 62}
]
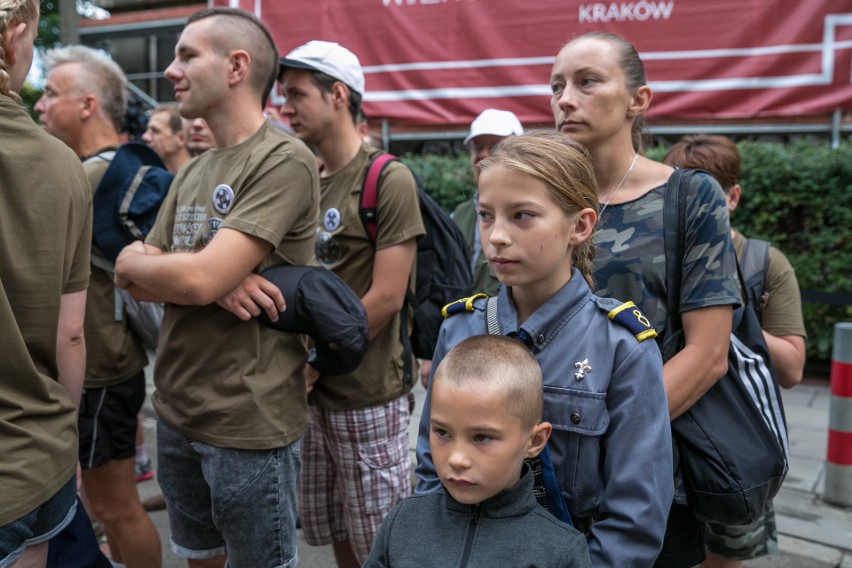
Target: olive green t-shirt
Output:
[
  {"x": 45, "y": 234},
  {"x": 344, "y": 247},
  {"x": 227, "y": 382},
  {"x": 113, "y": 352},
  {"x": 782, "y": 314}
]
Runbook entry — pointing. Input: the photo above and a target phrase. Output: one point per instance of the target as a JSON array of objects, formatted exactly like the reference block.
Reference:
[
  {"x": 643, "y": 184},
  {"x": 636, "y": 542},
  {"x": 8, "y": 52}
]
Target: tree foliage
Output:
[{"x": 48, "y": 25}]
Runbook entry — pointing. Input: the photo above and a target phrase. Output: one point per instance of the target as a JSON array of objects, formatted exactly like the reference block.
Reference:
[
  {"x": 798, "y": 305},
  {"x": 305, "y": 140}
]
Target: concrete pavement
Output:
[{"x": 811, "y": 533}]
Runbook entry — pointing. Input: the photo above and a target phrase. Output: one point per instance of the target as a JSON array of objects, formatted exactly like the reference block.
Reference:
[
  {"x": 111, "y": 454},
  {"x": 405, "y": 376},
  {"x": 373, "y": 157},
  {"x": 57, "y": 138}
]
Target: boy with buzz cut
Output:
[{"x": 487, "y": 402}]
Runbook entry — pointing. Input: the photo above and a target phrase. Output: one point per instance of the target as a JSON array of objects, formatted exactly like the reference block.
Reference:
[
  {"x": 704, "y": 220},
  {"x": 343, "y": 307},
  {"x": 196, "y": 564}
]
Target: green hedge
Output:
[
  {"x": 449, "y": 179},
  {"x": 797, "y": 195}
]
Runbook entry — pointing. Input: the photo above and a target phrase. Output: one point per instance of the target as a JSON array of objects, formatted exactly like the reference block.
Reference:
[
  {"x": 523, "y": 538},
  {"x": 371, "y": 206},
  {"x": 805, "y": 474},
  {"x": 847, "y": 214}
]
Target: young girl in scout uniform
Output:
[{"x": 603, "y": 389}]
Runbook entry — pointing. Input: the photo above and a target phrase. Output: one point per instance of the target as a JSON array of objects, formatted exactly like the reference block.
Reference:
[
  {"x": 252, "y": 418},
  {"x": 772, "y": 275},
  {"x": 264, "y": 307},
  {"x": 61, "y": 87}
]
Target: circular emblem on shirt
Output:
[
  {"x": 223, "y": 198},
  {"x": 331, "y": 219},
  {"x": 326, "y": 249}
]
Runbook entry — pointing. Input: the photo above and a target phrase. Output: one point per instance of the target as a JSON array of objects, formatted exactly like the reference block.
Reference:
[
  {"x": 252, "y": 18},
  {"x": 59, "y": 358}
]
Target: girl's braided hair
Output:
[{"x": 13, "y": 12}]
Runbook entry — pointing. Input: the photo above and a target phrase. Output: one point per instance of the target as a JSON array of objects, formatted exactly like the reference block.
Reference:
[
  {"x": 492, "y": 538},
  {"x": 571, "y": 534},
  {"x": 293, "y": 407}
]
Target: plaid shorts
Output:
[
  {"x": 744, "y": 542},
  {"x": 355, "y": 468}
]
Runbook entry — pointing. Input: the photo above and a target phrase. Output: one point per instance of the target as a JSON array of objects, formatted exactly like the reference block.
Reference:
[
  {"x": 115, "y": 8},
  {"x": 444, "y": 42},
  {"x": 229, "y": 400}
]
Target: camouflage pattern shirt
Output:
[{"x": 630, "y": 258}]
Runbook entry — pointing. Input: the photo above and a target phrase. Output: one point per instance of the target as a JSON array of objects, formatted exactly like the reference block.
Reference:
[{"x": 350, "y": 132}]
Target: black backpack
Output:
[
  {"x": 128, "y": 197},
  {"x": 733, "y": 440},
  {"x": 443, "y": 264}
]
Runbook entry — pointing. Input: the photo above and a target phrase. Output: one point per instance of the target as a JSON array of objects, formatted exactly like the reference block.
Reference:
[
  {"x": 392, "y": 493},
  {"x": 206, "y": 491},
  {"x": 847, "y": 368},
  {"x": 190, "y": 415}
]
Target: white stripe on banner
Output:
[{"x": 759, "y": 383}]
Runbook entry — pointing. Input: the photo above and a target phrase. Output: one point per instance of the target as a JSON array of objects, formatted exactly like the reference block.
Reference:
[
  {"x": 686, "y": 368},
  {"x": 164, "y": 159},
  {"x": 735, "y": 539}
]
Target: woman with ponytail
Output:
[
  {"x": 603, "y": 388},
  {"x": 45, "y": 236},
  {"x": 599, "y": 98}
]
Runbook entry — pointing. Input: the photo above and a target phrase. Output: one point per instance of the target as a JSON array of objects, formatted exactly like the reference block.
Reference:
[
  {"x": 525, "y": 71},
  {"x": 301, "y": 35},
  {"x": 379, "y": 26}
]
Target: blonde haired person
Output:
[
  {"x": 599, "y": 99},
  {"x": 84, "y": 103},
  {"x": 603, "y": 388},
  {"x": 45, "y": 227}
]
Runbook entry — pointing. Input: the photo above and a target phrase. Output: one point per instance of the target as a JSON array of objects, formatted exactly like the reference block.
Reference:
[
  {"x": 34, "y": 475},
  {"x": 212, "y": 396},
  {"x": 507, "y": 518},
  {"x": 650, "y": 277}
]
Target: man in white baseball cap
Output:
[
  {"x": 493, "y": 125},
  {"x": 486, "y": 130},
  {"x": 355, "y": 464},
  {"x": 330, "y": 58}
]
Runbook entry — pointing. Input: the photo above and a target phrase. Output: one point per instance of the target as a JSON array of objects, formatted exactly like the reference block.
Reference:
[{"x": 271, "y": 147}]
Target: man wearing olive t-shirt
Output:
[{"x": 230, "y": 393}]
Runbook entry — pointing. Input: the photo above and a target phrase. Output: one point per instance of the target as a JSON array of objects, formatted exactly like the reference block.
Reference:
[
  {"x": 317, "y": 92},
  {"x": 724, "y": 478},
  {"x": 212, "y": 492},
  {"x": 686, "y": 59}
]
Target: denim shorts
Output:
[
  {"x": 39, "y": 525},
  {"x": 241, "y": 503}
]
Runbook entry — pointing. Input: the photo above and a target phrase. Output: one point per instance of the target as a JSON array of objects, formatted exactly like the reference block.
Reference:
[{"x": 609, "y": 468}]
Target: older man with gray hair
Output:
[
  {"x": 166, "y": 135},
  {"x": 84, "y": 102}
]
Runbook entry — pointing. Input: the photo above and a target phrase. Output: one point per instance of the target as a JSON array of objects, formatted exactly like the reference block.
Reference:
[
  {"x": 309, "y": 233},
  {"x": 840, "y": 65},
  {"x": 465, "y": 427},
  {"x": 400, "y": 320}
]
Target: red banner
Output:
[{"x": 440, "y": 62}]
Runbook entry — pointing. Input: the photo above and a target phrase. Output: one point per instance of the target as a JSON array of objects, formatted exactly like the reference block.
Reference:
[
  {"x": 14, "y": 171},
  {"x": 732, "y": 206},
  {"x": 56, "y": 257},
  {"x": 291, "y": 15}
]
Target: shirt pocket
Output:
[
  {"x": 580, "y": 419},
  {"x": 385, "y": 479}
]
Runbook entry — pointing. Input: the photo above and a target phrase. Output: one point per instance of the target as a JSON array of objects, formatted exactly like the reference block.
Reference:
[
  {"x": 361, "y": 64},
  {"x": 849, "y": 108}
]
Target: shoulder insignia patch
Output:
[
  {"x": 632, "y": 318},
  {"x": 463, "y": 305}
]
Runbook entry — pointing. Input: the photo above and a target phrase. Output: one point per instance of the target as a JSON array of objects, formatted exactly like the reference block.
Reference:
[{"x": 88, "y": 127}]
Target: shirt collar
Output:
[
  {"x": 512, "y": 502},
  {"x": 547, "y": 321}
]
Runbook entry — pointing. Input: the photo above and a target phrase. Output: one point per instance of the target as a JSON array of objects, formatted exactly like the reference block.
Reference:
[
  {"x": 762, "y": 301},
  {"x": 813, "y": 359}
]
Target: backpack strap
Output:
[
  {"x": 368, "y": 207},
  {"x": 118, "y": 306},
  {"x": 753, "y": 266},
  {"x": 674, "y": 231},
  {"x": 491, "y": 321},
  {"x": 674, "y": 235},
  {"x": 368, "y": 212},
  {"x": 107, "y": 155},
  {"x": 124, "y": 206},
  {"x": 96, "y": 259}
]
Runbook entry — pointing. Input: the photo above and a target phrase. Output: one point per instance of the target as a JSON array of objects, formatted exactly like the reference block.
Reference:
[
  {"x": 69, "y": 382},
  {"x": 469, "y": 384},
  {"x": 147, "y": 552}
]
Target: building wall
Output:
[{"x": 141, "y": 36}]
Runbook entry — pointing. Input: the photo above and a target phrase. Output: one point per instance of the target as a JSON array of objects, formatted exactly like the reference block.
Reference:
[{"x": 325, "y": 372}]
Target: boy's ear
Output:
[
  {"x": 538, "y": 438},
  {"x": 584, "y": 226}
]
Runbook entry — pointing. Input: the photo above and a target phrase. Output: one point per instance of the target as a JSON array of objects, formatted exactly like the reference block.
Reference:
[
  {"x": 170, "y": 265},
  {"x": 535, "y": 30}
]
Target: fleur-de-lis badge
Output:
[{"x": 582, "y": 368}]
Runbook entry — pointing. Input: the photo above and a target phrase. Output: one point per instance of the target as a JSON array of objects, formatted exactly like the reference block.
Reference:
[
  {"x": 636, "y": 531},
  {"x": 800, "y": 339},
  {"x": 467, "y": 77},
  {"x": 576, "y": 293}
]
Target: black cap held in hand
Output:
[{"x": 323, "y": 306}]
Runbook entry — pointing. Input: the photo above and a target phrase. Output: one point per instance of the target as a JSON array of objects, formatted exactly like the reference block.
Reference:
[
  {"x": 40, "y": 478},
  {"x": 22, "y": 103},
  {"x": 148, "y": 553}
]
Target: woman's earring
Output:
[{"x": 629, "y": 114}]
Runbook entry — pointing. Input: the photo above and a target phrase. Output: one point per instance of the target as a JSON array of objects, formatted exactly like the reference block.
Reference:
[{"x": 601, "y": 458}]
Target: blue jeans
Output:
[
  {"x": 39, "y": 525},
  {"x": 241, "y": 503}
]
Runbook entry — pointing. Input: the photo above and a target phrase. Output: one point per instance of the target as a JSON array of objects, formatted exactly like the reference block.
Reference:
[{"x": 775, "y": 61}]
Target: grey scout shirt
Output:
[{"x": 604, "y": 395}]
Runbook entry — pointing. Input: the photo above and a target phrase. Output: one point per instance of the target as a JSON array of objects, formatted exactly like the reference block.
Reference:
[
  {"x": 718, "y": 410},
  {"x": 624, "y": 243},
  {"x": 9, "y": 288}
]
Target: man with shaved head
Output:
[
  {"x": 84, "y": 101},
  {"x": 231, "y": 397}
]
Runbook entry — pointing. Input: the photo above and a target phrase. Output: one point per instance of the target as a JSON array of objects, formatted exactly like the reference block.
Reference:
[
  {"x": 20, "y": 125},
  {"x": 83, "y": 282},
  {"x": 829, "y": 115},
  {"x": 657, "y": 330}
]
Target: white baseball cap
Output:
[
  {"x": 330, "y": 58},
  {"x": 495, "y": 123}
]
